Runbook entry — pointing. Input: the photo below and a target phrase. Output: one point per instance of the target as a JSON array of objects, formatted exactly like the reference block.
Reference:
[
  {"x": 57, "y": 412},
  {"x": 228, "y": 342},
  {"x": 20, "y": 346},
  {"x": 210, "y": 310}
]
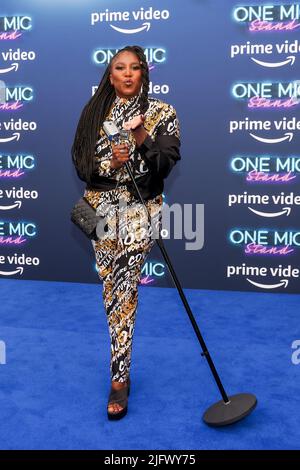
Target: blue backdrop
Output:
[{"x": 231, "y": 72}]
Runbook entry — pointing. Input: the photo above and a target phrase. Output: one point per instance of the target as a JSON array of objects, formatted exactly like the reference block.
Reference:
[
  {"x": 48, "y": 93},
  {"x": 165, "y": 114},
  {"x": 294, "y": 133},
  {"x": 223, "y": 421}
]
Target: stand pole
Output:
[{"x": 230, "y": 409}]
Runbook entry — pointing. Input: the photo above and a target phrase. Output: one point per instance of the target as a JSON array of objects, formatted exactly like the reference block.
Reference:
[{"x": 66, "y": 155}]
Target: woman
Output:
[{"x": 152, "y": 150}]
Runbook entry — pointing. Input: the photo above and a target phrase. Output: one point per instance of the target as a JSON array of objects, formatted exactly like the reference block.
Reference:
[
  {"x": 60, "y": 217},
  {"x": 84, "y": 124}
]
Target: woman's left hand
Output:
[{"x": 134, "y": 123}]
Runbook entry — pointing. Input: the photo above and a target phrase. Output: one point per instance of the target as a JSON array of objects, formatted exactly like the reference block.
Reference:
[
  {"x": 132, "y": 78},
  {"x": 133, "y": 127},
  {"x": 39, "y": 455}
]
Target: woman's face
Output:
[{"x": 126, "y": 74}]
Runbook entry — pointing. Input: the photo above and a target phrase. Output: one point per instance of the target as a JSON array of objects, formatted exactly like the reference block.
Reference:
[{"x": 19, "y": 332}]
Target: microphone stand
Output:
[{"x": 231, "y": 408}]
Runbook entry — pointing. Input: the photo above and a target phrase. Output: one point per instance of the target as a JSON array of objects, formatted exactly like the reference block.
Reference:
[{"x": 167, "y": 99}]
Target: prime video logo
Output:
[
  {"x": 2, "y": 352},
  {"x": 141, "y": 15}
]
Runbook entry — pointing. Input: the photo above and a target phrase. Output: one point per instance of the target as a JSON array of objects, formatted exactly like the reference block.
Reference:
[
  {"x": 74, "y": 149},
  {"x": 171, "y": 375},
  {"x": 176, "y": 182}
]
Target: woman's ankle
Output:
[{"x": 118, "y": 385}]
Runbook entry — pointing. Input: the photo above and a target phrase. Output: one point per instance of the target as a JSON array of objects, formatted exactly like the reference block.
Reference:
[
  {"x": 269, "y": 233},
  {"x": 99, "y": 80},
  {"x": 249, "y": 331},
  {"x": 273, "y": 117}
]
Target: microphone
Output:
[
  {"x": 124, "y": 136},
  {"x": 115, "y": 134}
]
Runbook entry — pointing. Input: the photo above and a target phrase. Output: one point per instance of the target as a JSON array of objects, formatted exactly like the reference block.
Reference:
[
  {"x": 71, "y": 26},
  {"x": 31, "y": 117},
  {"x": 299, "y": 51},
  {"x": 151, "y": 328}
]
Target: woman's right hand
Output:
[{"x": 120, "y": 155}]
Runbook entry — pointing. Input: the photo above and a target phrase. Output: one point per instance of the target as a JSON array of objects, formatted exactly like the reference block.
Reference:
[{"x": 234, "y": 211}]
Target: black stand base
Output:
[{"x": 238, "y": 407}]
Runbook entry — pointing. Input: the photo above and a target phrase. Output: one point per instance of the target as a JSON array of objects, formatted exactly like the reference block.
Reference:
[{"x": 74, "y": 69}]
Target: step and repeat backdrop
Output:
[{"x": 231, "y": 70}]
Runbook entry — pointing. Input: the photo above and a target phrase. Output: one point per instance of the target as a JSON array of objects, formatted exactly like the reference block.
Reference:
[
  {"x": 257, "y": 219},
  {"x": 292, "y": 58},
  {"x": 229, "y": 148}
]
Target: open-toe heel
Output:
[{"x": 121, "y": 398}]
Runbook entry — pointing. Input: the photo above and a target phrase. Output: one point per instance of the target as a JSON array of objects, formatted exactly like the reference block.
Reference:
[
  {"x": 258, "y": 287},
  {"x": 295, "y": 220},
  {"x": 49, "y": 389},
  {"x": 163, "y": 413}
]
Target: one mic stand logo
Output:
[
  {"x": 13, "y": 27},
  {"x": 16, "y": 233},
  {"x": 268, "y": 18}
]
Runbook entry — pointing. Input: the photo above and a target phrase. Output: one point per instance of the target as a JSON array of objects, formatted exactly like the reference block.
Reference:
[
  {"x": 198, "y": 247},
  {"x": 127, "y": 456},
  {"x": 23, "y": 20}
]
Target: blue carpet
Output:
[{"x": 55, "y": 383}]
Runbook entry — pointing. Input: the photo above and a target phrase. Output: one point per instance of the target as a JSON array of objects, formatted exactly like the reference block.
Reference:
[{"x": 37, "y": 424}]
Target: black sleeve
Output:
[{"x": 162, "y": 152}]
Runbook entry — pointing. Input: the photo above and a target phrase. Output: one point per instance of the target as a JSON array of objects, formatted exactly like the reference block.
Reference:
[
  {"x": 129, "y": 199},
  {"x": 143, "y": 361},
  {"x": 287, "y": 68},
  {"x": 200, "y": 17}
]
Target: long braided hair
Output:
[{"x": 95, "y": 111}]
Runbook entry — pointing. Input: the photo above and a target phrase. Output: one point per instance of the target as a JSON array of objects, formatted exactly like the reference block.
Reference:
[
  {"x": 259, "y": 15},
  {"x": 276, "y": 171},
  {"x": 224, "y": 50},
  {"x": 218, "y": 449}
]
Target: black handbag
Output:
[{"x": 83, "y": 215}]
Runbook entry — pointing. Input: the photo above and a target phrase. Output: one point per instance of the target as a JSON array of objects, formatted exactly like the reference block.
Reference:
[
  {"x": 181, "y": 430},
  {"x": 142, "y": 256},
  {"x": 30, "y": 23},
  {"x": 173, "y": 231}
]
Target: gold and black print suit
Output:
[{"x": 122, "y": 249}]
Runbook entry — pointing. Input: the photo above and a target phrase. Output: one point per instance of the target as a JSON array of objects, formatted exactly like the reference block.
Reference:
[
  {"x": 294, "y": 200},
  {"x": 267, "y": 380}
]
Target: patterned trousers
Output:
[{"x": 120, "y": 253}]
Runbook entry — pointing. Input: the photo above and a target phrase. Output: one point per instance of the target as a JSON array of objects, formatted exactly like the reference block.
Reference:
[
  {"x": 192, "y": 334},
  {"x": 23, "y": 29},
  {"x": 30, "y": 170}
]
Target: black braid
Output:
[{"x": 95, "y": 111}]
